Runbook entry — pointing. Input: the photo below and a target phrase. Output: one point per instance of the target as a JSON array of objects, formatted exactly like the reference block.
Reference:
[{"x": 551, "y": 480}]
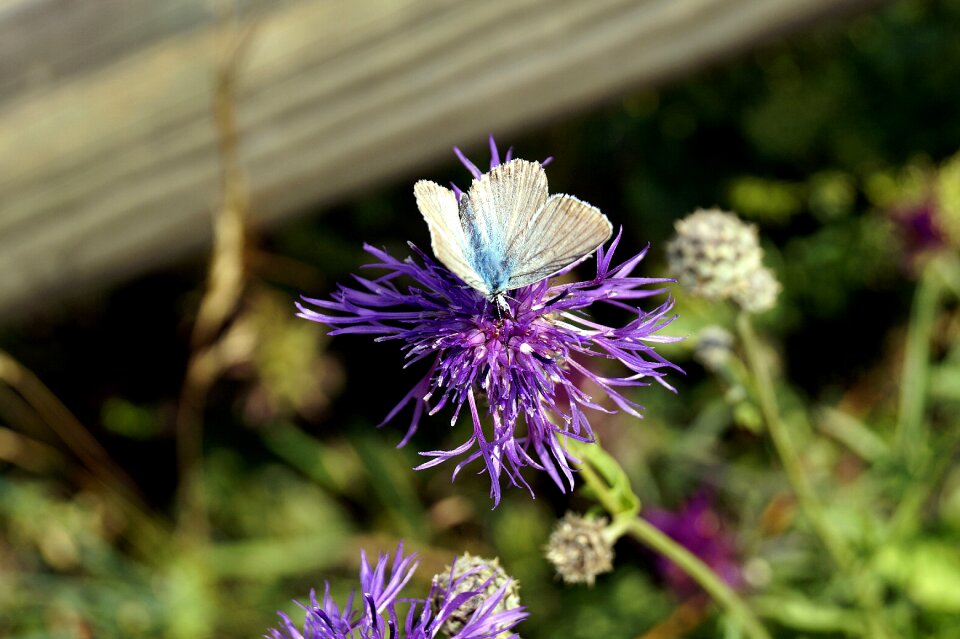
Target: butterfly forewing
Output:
[
  {"x": 439, "y": 208},
  {"x": 562, "y": 231}
]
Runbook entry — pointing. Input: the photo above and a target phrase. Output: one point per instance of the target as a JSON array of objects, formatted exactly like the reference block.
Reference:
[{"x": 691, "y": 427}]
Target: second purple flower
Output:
[{"x": 520, "y": 359}]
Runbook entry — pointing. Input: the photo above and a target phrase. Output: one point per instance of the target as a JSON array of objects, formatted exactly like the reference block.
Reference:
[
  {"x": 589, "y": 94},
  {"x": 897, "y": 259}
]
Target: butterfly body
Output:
[
  {"x": 485, "y": 252},
  {"x": 507, "y": 232}
]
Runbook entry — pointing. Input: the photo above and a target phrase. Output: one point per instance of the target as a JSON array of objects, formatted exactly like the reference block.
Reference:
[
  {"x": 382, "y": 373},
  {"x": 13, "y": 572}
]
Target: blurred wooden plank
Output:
[
  {"x": 44, "y": 41},
  {"x": 108, "y": 167}
]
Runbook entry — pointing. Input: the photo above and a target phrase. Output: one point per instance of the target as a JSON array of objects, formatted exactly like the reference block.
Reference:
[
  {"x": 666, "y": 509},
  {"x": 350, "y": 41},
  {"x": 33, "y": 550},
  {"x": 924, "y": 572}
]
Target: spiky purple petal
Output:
[{"x": 529, "y": 366}]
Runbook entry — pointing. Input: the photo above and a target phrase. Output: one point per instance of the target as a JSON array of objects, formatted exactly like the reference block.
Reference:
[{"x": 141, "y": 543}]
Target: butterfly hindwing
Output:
[{"x": 563, "y": 230}]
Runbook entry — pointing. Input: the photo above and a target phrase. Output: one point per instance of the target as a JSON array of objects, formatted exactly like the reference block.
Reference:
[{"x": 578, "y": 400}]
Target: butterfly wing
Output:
[
  {"x": 561, "y": 232},
  {"x": 495, "y": 214},
  {"x": 506, "y": 233},
  {"x": 439, "y": 208}
]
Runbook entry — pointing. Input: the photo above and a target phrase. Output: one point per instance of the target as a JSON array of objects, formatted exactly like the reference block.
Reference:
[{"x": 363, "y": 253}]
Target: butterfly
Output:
[{"x": 506, "y": 232}]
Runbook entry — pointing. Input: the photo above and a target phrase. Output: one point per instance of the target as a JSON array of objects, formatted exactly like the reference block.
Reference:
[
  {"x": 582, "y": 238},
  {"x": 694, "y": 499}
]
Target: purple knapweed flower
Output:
[
  {"x": 698, "y": 528},
  {"x": 380, "y": 614},
  {"x": 920, "y": 231},
  {"x": 523, "y": 365}
]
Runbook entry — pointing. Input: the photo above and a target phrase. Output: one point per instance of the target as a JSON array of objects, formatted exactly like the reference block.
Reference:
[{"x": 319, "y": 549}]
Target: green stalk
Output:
[
  {"x": 644, "y": 532},
  {"x": 599, "y": 487},
  {"x": 786, "y": 451},
  {"x": 647, "y": 534},
  {"x": 907, "y": 518},
  {"x": 806, "y": 497},
  {"x": 911, "y": 434}
]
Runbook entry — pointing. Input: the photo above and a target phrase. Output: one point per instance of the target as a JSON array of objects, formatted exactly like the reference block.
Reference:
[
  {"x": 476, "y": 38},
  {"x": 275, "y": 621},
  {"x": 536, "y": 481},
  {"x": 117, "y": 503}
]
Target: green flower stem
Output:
[
  {"x": 940, "y": 278},
  {"x": 644, "y": 532},
  {"x": 647, "y": 534},
  {"x": 786, "y": 451},
  {"x": 908, "y": 516},
  {"x": 806, "y": 497},
  {"x": 911, "y": 435},
  {"x": 599, "y": 487}
]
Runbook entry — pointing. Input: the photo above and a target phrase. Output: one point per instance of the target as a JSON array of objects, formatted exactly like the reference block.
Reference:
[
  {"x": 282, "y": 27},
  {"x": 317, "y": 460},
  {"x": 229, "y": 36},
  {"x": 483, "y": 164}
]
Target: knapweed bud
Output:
[
  {"x": 713, "y": 253},
  {"x": 714, "y": 345},
  {"x": 759, "y": 291},
  {"x": 578, "y": 549},
  {"x": 468, "y": 573}
]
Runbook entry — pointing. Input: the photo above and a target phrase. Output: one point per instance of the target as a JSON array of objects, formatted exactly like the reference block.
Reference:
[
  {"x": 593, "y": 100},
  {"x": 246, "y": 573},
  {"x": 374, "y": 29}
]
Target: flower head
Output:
[
  {"x": 918, "y": 227},
  {"x": 478, "y": 610},
  {"x": 520, "y": 364},
  {"x": 484, "y": 579},
  {"x": 717, "y": 256},
  {"x": 579, "y": 549},
  {"x": 923, "y": 203},
  {"x": 697, "y": 527},
  {"x": 947, "y": 192}
]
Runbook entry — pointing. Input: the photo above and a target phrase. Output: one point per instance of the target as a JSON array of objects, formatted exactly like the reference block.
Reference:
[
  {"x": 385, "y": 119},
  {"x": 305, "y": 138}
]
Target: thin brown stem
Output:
[
  {"x": 108, "y": 476},
  {"x": 225, "y": 285},
  {"x": 67, "y": 427}
]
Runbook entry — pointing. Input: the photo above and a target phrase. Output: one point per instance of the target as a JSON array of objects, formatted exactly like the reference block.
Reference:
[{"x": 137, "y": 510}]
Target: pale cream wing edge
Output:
[
  {"x": 564, "y": 230},
  {"x": 439, "y": 208}
]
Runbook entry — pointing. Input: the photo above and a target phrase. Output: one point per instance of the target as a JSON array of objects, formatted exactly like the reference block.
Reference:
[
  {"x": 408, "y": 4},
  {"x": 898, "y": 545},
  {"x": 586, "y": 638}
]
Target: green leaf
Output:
[
  {"x": 617, "y": 490},
  {"x": 392, "y": 483},
  {"x": 795, "y": 611},
  {"x": 927, "y": 570}
]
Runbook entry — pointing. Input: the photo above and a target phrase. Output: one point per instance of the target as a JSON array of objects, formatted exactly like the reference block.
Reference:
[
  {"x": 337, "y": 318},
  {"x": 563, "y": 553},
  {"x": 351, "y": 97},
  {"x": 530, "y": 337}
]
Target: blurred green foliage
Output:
[{"x": 818, "y": 139}]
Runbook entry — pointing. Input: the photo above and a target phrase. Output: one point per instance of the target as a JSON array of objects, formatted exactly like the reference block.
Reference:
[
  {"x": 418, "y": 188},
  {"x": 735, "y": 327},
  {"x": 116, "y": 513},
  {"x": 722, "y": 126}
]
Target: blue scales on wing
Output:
[{"x": 507, "y": 231}]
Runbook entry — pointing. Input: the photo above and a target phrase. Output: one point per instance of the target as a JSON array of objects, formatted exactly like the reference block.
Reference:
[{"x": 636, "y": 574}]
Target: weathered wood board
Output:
[{"x": 108, "y": 160}]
